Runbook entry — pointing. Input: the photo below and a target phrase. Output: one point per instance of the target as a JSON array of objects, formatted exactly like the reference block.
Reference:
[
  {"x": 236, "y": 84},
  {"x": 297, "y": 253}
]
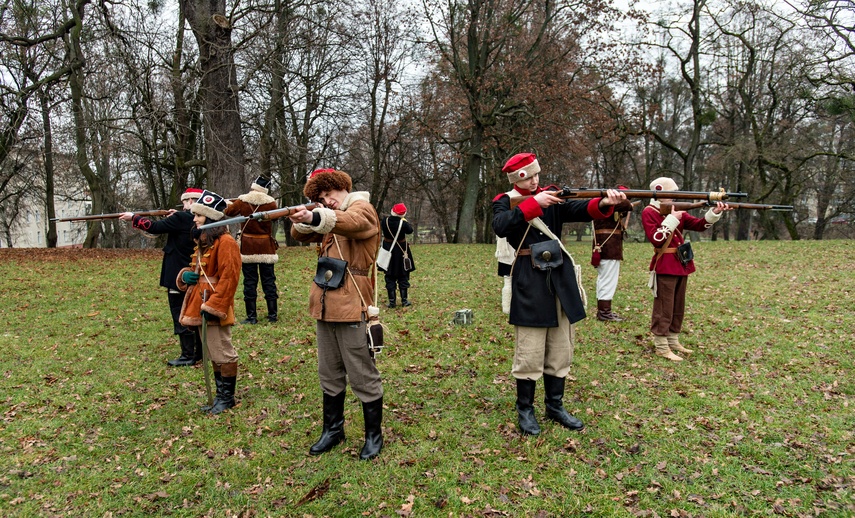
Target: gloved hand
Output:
[
  {"x": 190, "y": 277},
  {"x": 207, "y": 317}
]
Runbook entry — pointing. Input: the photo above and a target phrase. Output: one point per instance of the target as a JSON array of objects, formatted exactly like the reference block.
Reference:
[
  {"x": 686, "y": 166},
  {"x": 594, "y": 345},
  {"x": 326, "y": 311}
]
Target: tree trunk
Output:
[
  {"x": 224, "y": 150},
  {"x": 75, "y": 84},
  {"x": 44, "y": 101},
  {"x": 466, "y": 220}
]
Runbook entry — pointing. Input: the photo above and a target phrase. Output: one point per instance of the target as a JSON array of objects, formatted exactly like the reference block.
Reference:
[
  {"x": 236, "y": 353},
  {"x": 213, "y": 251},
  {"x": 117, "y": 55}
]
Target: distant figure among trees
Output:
[{"x": 397, "y": 276}]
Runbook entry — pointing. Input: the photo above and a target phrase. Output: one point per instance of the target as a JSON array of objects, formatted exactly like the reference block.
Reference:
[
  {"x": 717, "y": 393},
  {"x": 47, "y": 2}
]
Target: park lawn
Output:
[{"x": 758, "y": 421}]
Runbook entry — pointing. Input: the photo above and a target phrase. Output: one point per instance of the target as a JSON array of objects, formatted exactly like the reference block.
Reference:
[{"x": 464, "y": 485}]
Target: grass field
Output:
[{"x": 758, "y": 421}]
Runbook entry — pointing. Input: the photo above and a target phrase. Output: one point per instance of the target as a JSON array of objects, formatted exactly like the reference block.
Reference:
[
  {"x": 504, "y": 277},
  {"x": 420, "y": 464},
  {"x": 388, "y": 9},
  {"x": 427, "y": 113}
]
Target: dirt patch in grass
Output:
[{"x": 19, "y": 255}]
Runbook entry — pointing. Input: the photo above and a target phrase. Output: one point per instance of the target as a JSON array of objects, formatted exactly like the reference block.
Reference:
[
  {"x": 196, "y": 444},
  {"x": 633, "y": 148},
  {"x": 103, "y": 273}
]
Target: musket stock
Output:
[
  {"x": 260, "y": 216},
  {"x": 113, "y": 215},
  {"x": 585, "y": 193}
]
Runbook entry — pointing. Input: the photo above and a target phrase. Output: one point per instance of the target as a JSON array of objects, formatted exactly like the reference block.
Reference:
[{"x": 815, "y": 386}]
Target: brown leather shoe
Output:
[{"x": 605, "y": 313}]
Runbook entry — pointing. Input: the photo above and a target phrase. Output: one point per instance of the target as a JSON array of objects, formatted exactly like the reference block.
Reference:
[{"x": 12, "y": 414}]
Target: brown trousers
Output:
[
  {"x": 220, "y": 348},
  {"x": 343, "y": 356},
  {"x": 669, "y": 306}
]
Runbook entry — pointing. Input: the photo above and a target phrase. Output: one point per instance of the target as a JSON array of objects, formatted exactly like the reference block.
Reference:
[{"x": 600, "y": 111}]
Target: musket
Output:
[
  {"x": 665, "y": 208},
  {"x": 567, "y": 193},
  {"x": 114, "y": 215},
  {"x": 260, "y": 216},
  {"x": 206, "y": 368}
]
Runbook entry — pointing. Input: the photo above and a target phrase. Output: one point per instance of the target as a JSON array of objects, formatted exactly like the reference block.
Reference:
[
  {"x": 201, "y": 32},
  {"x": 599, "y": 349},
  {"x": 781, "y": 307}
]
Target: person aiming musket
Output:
[
  {"x": 567, "y": 193},
  {"x": 261, "y": 216}
]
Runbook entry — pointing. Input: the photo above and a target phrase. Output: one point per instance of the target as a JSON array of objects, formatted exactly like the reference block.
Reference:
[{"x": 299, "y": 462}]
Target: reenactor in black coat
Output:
[
  {"x": 397, "y": 275},
  {"x": 546, "y": 298},
  {"x": 178, "y": 228}
]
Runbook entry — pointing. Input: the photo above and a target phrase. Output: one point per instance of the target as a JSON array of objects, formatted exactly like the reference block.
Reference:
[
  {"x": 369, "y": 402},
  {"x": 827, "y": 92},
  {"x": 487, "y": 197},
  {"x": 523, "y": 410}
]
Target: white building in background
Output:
[{"x": 30, "y": 231}]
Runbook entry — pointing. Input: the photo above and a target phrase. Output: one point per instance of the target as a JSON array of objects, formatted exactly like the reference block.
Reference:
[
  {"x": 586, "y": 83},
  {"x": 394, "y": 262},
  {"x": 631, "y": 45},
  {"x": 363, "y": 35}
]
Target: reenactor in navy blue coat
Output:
[
  {"x": 178, "y": 228},
  {"x": 546, "y": 299}
]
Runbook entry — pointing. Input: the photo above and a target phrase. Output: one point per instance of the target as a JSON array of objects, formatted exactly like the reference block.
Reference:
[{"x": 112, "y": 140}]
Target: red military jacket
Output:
[{"x": 658, "y": 228}]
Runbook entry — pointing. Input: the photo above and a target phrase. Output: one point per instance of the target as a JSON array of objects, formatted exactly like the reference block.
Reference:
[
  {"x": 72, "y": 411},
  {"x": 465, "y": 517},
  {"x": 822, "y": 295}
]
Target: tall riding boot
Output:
[
  {"x": 225, "y": 398},
  {"x": 333, "y": 432},
  {"x": 554, "y": 387},
  {"x": 391, "y": 293},
  {"x": 525, "y": 407},
  {"x": 675, "y": 345},
  {"x": 251, "y": 316},
  {"x": 404, "y": 301},
  {"x": 660, "y": 346},
  {"x": 188, "y": 345},
  {"x": 272, "y": 310},
  {"x": 373, "y": 414},
  {"x": 605, "y": 313}
]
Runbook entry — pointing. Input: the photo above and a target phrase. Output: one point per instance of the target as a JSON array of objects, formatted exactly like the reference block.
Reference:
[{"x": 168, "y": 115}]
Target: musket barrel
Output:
[
  {"x": 259, "y": 216},
  {"x": 639, "y": 193},
  {"x": 112, "y": 215},
  {"x": 762, "y": 206}
]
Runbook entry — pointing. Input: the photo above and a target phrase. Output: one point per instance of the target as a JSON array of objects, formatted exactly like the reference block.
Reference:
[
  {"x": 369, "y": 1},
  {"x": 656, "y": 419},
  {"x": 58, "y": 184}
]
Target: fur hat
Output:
[
  {"x": 663, "y": 183},
  {"x": 399, "y": 209},
  {"x": 323, "y": 180},
  {"x": 521, "y": 166},
  {"x": 211, "y": 205},
  {"x": 191, "y": 193},
  {"x": 261, "y": 184}
]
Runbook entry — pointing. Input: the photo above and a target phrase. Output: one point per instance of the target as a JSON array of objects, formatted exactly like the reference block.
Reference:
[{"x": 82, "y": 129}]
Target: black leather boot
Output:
[
  {"x": 251, "y": 316},
  {"x": 188, "y": 348},
  {"x": 225, "y": 398},
  {"x": 373, "y": 414},
  {"x": 391, "y": 294},
  {"x": 525, "y": 407},
  {"x": 333, "y": 432},
  {"x": 605, "y": 313},
  {"x": 404, "y": 301},
  {"x": 554, "y": 388},
  {"x": 272, "y": 310}
]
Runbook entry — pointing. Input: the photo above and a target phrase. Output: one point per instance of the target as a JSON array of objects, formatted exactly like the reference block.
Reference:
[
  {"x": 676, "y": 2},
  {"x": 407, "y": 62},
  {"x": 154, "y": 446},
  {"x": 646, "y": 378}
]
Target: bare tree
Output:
[{"x": 384, "y": 53}]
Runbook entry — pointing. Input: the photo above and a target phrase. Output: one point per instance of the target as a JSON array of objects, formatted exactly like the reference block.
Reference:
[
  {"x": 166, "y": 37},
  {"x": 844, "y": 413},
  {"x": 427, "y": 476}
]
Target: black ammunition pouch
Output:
[
  {"x": 546, "y": 255},
  {"x": 685, "y": 253},
  {"x": 330, "y": 273}
]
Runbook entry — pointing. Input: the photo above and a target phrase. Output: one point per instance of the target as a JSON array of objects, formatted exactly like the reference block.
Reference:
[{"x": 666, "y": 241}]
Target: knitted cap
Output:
[
  {"x": 521, "y": 167},
  {"x": 191, "y": 193},
  {"x": 399, "y": 209},
  {"x": 663, "y": 184}
]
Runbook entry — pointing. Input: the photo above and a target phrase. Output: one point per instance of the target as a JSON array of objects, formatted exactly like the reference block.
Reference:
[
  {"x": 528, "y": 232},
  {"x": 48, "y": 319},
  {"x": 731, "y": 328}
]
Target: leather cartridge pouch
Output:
[
  {"x": 685, "y": 253},
  {"x": 546, "y": 255},
  {"x": 330, "y": 272}
]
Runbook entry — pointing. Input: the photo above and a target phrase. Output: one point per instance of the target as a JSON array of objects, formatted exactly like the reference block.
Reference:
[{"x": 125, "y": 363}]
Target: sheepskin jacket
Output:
[
  {"x": 356, "y": 227},
  {"x": 257, "y": 244},
  {"x": 219, "y": 270}
]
